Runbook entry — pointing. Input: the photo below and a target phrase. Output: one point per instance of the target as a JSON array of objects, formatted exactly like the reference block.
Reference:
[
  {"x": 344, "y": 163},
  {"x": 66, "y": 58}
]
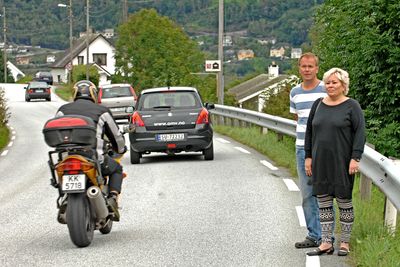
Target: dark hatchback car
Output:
[
  {"x": 171, "y": 120},
  {"x": 37, "y": 90},
  {"x": 44, "y": 76}
]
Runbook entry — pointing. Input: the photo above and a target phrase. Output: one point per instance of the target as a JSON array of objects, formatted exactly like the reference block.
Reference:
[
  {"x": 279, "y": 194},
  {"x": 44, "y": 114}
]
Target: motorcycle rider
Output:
[{"x": 85, "y": 104}]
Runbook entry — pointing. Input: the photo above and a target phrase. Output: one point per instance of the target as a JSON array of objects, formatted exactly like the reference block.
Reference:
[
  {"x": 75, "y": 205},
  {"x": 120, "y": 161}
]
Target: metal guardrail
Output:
[{"x": 381, "y": 170}]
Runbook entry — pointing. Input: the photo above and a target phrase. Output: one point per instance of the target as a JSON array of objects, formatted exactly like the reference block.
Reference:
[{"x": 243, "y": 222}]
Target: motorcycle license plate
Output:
[{"x": 73, "y": 183}]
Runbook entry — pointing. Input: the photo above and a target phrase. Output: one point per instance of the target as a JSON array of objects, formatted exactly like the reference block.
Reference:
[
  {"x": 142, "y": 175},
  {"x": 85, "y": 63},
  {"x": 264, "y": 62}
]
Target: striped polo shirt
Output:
[{"x": 301, "y": 102}]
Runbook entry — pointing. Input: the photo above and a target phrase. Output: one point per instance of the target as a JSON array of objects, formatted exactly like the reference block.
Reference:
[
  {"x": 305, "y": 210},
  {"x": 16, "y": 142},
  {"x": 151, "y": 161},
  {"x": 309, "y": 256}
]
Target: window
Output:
[
  {"x": 80, "y": 60},
  {"x": 100, "y": 59}
]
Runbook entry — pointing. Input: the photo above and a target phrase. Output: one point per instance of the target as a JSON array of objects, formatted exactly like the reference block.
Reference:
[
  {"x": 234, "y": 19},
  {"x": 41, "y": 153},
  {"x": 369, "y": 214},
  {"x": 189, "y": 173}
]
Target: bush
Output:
[
  {"x": 79, "y": 73},
  {"x": 4, "y": 115}
]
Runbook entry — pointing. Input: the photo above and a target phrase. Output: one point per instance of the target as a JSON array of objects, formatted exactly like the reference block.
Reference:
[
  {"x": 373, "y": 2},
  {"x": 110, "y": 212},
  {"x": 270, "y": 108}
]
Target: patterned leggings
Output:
[{"x": 327, "y": 219}]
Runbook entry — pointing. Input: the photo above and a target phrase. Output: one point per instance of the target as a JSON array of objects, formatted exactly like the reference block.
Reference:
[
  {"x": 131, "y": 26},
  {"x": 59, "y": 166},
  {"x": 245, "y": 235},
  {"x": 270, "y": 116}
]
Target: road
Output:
[{"x": 176, "y": 211}]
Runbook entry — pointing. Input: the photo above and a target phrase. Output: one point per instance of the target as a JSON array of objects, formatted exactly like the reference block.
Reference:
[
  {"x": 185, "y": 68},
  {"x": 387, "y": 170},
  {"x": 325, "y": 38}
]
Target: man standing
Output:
[{"x": 302, "y": 96}]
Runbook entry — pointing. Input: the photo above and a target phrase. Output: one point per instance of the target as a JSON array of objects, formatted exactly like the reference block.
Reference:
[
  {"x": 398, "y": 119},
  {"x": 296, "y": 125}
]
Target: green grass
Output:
[
  {"x": 4, "y": 136},
  {"x": 64, "y": 92},
  {"x": 371, "y": 244}
]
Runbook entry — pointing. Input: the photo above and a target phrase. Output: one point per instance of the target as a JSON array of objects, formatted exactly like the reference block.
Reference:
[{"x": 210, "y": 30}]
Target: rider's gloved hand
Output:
[{"x": 125, "y": 149}]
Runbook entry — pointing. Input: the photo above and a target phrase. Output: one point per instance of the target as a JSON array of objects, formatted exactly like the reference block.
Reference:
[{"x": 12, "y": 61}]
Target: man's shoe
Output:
[
  {"x": 113, "y": 206},
  {"x": 307, "y": 243}
]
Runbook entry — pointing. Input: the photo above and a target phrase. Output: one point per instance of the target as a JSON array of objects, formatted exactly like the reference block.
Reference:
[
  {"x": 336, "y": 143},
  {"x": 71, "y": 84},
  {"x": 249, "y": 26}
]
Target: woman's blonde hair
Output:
[{"x": 342, "y": 75}]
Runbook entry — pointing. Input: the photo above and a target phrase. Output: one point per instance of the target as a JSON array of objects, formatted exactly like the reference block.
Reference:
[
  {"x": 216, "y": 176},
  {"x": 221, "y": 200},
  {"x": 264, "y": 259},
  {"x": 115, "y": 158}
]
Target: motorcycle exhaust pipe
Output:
[{"x": 98, "y": 202}]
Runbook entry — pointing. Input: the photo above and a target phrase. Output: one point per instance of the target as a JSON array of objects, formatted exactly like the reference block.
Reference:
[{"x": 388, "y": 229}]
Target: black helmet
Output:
[{"x": 85, "y": 90}]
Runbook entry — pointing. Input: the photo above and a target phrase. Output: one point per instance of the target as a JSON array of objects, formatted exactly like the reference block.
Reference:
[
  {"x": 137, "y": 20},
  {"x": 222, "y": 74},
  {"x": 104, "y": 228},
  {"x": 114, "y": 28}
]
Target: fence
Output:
[{"x": 374, "y": 167}]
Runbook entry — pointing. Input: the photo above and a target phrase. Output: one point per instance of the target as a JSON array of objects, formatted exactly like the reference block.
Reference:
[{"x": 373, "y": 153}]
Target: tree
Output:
[
  {"x": 153, "y": 51},
  {"x": 363, "y": 37},
  {"x": 10, "y": 78}
]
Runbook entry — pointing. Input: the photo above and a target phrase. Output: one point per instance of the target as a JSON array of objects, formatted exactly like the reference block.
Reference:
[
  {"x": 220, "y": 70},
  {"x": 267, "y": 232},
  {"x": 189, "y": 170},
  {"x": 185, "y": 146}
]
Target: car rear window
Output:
[
  {"x": 177, "y": 100},
  {"x": 116, "y": 92},
  {"x": 38, "y": 85}
]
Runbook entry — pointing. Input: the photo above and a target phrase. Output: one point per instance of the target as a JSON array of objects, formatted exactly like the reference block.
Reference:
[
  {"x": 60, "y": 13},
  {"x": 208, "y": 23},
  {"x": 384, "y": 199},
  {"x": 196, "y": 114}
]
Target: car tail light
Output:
[
  {"x": 137, "y": 120},
  {"x": 203, "y": 117},
  {"x": 73, "y": 166},
  {"x": 48, "y": 90},
  {"x": 100, "y": 95},
  {"x": 30, "y": 91}
]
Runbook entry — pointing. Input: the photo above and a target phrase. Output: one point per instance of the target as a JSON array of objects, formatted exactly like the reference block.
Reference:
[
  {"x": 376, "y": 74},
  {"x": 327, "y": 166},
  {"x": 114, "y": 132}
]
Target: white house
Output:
[{"x": 101, "y": 53}]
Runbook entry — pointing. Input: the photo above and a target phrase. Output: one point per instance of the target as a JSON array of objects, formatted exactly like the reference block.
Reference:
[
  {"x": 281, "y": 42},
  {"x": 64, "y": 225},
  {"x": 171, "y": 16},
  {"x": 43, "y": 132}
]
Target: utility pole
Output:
[
  {"x": 125, "y": 11},
  {"x": 5, "y": 46},
  {"x": 220, "y": 85},
  {"x": 87, "y": 39}
]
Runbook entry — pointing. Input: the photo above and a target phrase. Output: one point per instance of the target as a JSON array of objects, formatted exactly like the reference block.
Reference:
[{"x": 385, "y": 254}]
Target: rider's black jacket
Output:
[{"x": 105, "y": 124}]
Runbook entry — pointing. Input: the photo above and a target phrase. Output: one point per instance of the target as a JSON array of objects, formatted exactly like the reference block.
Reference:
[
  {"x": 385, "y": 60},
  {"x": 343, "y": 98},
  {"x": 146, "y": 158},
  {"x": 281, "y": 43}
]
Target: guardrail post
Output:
[
  {"x": 391, "y": 211},
  {"x": 366, "y": 183}
]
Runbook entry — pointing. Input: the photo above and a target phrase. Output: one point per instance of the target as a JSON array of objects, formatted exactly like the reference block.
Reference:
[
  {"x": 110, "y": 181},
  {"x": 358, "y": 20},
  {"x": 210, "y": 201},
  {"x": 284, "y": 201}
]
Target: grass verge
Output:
[
  {"x": 371, "y": 243},
  {"x": 4, "y": 136},
  {"x": 64, "y": 92}
]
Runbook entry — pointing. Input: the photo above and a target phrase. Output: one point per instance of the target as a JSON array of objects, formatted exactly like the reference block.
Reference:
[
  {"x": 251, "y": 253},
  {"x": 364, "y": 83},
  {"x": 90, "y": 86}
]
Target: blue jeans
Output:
[{"x": 309, "y": 202}]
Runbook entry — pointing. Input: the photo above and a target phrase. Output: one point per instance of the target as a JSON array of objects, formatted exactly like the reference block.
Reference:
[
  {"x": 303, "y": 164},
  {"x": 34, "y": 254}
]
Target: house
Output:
[
  {"x": 250, "y": 94},
  {"x": 51, "y": 59},
  {"x": 109, "y": 33},
  {"x": 227, "y": 40},
  {"x": 245, "y": 54},
  {"x": 15, "y": 72},
  {"x": 101, "y": 54},
  {"x": 279, "y": 52},
  {"x": 267, "y": 41},
  {"x": 22, "y": 60},
  {"x": 296, "y": 53}
]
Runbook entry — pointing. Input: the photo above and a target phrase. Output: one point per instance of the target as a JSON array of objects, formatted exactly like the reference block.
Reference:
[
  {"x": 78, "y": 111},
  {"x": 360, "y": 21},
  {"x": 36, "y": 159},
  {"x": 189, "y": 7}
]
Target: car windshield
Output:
[
  {"x": 38, "y": 85},
  {"x": 170, "y": 100},
  {"x": 116, "y": 92}
]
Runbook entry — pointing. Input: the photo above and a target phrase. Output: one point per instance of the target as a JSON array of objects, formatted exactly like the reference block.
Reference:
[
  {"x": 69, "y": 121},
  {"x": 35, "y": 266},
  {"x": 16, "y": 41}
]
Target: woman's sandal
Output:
[{"x": 343, "y": 251}]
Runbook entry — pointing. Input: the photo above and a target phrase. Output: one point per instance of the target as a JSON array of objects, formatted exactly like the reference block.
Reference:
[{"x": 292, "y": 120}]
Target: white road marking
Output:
[
  {"x": 300, "y": 216},
  {"x": 221, "y": 140},
  {"x": 11, "y": 127},
  {"x": 312, "y": 261},
  {"x": 13, "y": 132},
  {"x": 291, "y": 185},
  {"x": 10, "y": 144},
  {"x": 4, "y": 153},
  {"x": 13, "y": 137},
  {"x": 242, "y": 150},
  {"x": 269, "y": 165}
]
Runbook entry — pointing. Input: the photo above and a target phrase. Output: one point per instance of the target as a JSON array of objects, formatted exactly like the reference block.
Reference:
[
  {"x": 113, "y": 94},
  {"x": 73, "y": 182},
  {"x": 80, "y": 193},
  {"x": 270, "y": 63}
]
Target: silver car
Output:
[{"x": 119, "y": 98}]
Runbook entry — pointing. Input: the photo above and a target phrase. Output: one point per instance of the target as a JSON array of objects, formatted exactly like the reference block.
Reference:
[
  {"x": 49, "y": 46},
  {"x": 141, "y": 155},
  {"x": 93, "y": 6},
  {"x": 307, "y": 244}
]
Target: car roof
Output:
[
  {"x": 37, "y": 83},
  {"x": 115, "y": 85},
  {"x": 172, "y": 88}
]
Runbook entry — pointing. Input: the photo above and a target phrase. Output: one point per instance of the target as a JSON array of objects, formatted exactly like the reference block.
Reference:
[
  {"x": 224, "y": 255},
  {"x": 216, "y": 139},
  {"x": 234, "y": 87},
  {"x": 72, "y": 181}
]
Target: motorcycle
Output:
[{"x": 76, "y": 173}]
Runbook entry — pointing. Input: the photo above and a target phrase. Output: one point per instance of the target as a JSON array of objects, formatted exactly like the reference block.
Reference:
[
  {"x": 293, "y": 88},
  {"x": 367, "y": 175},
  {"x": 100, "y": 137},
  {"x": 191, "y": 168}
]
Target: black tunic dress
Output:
[{"x": 334, "y": 135}]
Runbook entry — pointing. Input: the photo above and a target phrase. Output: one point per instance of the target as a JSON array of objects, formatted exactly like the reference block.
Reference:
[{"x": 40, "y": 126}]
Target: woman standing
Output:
[{"x": 334, "y": 144}]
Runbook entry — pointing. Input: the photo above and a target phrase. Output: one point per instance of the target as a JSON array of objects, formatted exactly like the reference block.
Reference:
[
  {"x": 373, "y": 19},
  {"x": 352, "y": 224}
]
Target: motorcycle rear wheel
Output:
[{"x": 80, "y": 220}]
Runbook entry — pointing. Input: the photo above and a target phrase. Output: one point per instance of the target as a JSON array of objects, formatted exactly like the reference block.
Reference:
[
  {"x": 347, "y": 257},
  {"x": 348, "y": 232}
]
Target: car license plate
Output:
[
  {"x": 39, "y": 91},
  {"x": 73, "y": 183},
  {"x": 170, "y": 137}
]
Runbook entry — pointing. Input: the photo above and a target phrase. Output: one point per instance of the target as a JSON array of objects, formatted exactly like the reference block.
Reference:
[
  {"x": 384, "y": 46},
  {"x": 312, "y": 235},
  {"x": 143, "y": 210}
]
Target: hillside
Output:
[{"x": 43, "y": 23}]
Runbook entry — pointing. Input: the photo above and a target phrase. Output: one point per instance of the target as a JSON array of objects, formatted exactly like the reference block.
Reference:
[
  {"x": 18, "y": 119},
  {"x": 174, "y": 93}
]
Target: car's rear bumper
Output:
[
  {"x": 38, "y": 96},
  {"x": 196, "y": 139}
]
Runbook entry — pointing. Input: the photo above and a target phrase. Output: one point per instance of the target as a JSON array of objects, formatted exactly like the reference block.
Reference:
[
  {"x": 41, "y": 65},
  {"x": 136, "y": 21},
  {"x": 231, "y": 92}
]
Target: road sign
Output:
[{"x": 213, "y": 65}]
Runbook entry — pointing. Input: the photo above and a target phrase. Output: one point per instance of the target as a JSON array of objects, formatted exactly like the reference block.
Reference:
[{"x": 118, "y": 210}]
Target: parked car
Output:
[
  {"x": 44, "y": 76},
  {"x": 171, "y": 120},
  {"x": 37, "y": 90},
  {"x": 119, "y": 98}
]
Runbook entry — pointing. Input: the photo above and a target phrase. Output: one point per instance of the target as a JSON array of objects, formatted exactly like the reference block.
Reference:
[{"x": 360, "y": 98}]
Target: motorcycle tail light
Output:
[
  {"x": 137, "y": 120},
  {"x": 203, "y": 117},
  {"x": 73, "y": 164}
]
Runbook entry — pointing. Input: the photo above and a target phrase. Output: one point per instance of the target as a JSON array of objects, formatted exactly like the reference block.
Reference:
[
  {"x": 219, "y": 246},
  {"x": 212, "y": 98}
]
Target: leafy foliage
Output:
[
  {"x": 363, "y": 37},
  {"x": 4, "y": 114},
  {"x": 153, "y": 51},
  {"x": 79, "y": 73}
]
